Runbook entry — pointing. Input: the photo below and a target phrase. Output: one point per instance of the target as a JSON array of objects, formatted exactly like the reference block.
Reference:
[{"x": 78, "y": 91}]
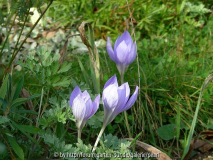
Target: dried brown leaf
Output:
[{"x": 151, "y": 149}]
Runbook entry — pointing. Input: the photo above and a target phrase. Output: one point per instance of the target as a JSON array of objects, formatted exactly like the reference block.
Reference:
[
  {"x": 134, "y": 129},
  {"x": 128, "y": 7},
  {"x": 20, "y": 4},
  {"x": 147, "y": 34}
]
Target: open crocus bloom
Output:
[
  {"x": 124, "y": 52},
  {"x": 116, "y": 99},
  {"x": 82, "y": 106}
]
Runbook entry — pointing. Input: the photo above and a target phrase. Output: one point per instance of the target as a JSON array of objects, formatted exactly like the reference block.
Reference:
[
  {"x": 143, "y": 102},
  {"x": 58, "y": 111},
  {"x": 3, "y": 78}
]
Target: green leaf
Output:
[
  {"x": 18, "y": 88},
  {"x": 64, "y": 82},
  {"x": 4, "y": 119},
  {"x": 25, "y": 111},
  {"x": 65, "y": 67},
  {"x": 167, "y": 132},
  {"x": 96, "y": 120},
  {"x": 18, "y": 101},
  {"x": 34, "y": 96},
  {"x": 86, "y": 77},
  {"x": 112, "y": 142},
  {"x": 55, "y": 79},
  {"x": 17, "y": 149},
  {"x": 84, "y": 148},
  {"x": 55, "y": 66},
  {"x": 55, "y": 143},
  {"x": 3, "y": 89},
  {"x": 27, "y": 135},
  {"x": 29, "y": 129}
]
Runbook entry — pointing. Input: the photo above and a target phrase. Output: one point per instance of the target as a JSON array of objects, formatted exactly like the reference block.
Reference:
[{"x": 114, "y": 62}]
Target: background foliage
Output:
[{"x": 174, "y": 46}]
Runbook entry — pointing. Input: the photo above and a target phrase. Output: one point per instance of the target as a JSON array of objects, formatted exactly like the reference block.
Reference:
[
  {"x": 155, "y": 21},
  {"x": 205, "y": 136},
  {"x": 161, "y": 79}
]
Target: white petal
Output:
[
  {"x": 79, "y": 108},
  {"x": 121, "y": 52},
  {"x": 110, "y": 96}
]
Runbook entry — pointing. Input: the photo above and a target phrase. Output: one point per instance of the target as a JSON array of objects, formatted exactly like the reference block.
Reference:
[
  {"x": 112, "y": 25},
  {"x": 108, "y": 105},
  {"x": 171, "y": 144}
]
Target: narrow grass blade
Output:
[{"x": 205, "y": 84}]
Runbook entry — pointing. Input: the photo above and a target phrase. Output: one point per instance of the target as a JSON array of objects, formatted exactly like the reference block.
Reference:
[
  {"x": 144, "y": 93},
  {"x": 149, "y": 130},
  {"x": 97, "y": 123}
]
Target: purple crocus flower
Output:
[
  {"x": 116, "y": 99},
  {"x": 124, "y": 52},
  {"x": 82, "y": 106}
]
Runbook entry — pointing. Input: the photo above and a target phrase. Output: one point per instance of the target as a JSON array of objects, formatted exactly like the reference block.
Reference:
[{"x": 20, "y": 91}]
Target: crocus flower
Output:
[
  {"x": 82, "y": 106},
  {"x": 115, "y": 100},
  {"x": 124, "y": 52}
]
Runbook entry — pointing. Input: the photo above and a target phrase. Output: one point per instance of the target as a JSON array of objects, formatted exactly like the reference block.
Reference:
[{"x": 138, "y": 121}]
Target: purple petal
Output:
[
  {"x": 74, "y": 94},
  {"x": 95, "y": 106},
  {"x": 117, "y": 42},
  {"x": 121, "y": 52},
  {"x": 127, "y": 91},
  {"x": 110, "y": 51},
  {"x": 121, "y": 98},
  {"x": 132, "y": 54},
  {"x": 131, "y": 100},
  {"x": 110, "y": 96},
  {"x": 79, "y": 108},
  {"x": 112, "y": 80},
  {"x": 89, "y": 108},
  {"x": 86, "y": 96},
  {"x": 127, "y": 38}
]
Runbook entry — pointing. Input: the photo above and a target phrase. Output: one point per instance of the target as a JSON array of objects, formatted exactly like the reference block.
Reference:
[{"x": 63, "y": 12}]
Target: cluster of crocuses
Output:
[{"x": 115, "y": 98}]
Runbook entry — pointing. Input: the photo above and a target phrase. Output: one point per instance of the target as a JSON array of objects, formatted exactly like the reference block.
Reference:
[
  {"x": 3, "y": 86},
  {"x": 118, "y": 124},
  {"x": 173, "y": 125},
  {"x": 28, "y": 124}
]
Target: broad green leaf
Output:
[
  {"x": 17, "y": 149},
  {"x": 167, "y": 132}
]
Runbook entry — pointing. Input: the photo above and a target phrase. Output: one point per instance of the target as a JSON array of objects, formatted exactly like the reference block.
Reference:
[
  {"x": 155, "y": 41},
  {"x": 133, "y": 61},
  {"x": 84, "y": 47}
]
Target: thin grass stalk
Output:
[
  {"x": 133, "y": 28},
  {"x": 178, "y": 127},
  {"x": 39, "y": 111},
  {"x": 188, "y": 141},
  {"x": 125, "y": 114}
]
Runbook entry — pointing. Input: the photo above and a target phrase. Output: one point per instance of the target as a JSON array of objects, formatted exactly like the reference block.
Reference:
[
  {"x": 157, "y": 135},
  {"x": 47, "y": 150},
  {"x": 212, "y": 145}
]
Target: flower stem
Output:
[
  {"x": 99, "y": 136},
  {"x": 125, "y": 114},
  {"x": 79, "y": 133}
]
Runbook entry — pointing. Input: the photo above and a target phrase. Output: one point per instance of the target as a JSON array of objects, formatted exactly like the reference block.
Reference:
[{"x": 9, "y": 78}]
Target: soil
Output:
[{"x": 203, "y": 156}]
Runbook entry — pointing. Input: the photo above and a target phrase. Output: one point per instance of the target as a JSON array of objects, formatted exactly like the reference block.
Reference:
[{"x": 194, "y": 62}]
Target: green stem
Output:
[
  {"x": 99, "y": 136},
  {"x": 125, "y": 113},
  {"x": 79, "y": 133},
  {"x": 39, "y": 111}
]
